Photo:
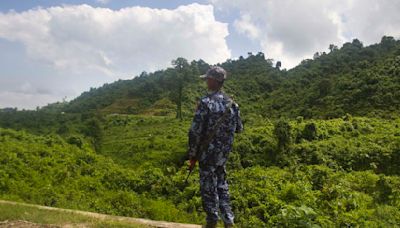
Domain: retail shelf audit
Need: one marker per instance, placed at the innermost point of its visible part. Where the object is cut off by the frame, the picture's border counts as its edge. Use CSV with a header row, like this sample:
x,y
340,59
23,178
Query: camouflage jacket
x,y
209,110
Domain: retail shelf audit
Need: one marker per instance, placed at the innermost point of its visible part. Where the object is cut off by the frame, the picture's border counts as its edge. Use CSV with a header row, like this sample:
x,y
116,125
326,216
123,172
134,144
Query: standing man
x,y
211,134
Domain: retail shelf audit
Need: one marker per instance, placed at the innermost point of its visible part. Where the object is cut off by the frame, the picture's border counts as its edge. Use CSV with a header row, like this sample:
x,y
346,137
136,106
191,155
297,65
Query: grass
x,y
34,214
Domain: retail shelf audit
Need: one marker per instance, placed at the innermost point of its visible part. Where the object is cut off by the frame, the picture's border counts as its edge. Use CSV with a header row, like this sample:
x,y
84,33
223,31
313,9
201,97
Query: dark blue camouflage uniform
x,y
213,184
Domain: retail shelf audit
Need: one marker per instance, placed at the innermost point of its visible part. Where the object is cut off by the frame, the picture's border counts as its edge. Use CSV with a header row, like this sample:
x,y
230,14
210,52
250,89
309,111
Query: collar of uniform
x,y
211,93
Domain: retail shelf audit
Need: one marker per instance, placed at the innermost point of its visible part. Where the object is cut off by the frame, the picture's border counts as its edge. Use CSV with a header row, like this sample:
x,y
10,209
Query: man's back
x,y
216,120
209,112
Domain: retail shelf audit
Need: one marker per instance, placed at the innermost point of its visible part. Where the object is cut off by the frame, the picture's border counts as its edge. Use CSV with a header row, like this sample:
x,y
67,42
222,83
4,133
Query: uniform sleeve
x,y
197,129
239,124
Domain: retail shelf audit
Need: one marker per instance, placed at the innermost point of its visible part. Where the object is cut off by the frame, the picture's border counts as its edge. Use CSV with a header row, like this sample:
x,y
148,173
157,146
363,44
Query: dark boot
x,y
228,225
211,225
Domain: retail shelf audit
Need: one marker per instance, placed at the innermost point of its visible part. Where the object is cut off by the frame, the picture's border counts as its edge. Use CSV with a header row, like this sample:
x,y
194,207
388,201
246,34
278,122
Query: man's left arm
x,y
196,130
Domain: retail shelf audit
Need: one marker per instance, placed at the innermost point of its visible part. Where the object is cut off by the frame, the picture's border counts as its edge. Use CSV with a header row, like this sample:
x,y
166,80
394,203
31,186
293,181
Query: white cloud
x,y
124,41
291,30
81,39
369,20
245,26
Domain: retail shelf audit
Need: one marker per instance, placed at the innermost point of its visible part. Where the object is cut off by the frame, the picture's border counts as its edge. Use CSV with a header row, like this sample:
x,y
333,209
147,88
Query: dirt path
x,y
159,224
24,224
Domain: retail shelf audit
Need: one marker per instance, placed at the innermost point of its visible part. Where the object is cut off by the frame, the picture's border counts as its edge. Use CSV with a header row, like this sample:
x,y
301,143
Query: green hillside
x,y
353,79
49,171
321,144
344,172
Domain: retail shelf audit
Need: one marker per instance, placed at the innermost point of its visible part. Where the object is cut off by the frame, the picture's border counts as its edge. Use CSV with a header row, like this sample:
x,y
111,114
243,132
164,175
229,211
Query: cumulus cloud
x,y
245,26
123,41
81,39
369,20
291,30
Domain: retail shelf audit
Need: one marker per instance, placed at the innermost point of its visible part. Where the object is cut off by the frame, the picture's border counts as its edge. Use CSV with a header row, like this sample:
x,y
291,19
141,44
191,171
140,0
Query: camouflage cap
x,y
216,72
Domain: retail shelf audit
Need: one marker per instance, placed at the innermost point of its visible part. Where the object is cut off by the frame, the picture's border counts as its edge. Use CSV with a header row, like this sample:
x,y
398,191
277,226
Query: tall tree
x,y
333,47
182,75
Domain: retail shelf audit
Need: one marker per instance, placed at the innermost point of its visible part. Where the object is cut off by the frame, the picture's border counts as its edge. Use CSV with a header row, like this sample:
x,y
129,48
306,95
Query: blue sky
x,y
51,50
21,5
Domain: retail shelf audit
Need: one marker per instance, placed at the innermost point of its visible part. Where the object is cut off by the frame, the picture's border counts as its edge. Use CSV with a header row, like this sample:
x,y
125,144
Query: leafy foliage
x,y
321,145
362,81
345,175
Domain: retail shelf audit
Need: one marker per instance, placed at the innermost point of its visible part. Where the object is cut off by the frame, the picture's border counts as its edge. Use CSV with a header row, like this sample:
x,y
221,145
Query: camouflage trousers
x,y
215,193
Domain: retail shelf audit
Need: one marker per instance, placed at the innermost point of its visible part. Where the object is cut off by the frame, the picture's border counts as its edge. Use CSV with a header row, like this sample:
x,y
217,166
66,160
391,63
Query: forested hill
x,y
352,79
341,172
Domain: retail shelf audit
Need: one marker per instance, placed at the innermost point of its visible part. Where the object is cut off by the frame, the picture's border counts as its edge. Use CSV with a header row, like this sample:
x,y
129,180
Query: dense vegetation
x,y
338,172
321,145
353,79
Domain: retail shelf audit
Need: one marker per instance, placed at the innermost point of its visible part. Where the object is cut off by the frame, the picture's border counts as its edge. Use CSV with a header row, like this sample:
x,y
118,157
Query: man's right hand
x,y
192,163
